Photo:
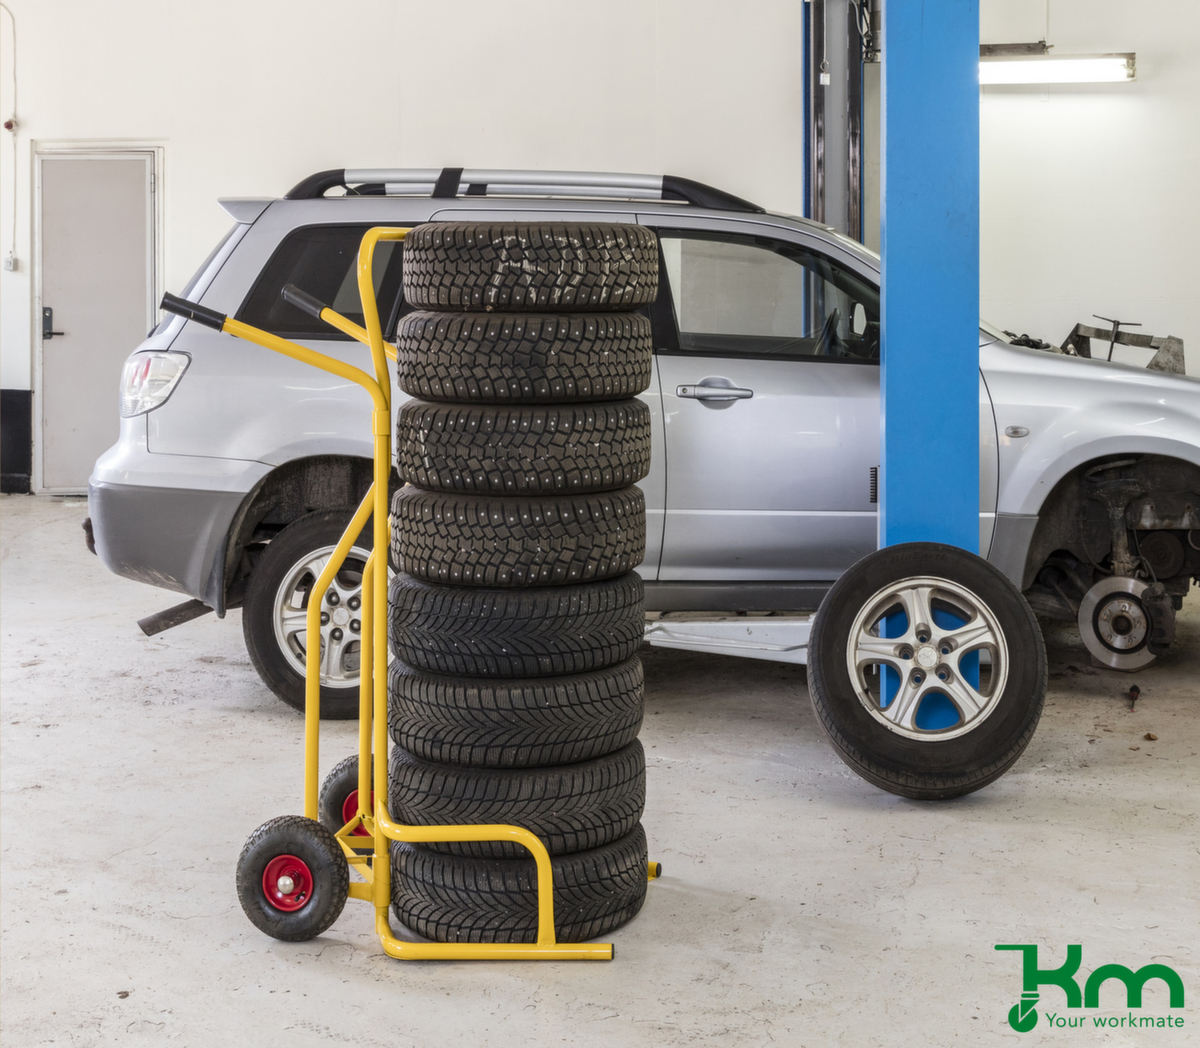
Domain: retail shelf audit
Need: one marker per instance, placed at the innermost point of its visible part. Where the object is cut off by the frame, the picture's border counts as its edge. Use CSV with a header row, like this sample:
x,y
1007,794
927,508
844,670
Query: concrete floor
x,y
799,905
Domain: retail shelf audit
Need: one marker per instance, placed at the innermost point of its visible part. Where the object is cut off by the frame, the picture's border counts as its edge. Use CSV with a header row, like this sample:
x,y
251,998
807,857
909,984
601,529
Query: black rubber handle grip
x,y
302,300
181,307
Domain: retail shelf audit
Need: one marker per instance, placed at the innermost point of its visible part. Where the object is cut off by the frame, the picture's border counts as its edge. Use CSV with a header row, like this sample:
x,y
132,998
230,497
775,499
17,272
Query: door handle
x,y
48,331
713,392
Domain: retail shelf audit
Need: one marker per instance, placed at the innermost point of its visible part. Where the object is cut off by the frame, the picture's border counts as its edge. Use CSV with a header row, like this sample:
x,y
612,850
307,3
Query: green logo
x,y
1023,1017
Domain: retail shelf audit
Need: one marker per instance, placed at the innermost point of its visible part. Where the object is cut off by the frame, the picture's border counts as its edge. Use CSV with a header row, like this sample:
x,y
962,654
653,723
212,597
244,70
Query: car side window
x,y
736,295
323,260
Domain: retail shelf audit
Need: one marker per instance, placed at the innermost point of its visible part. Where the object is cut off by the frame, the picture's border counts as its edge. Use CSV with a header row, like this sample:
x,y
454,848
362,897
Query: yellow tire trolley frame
x,y
375,868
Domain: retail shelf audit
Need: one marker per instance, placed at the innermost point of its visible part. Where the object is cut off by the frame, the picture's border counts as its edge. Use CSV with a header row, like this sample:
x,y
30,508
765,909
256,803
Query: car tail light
x,y
148,379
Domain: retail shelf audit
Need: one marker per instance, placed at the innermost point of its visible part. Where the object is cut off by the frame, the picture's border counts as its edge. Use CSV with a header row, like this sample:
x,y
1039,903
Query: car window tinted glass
x,y
752,296
322,260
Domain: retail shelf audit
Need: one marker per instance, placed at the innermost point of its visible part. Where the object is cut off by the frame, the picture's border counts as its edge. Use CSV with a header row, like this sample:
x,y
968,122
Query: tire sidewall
x,y
858,735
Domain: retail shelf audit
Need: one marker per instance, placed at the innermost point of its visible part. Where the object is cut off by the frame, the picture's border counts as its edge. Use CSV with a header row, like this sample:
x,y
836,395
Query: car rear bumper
x,y
165,519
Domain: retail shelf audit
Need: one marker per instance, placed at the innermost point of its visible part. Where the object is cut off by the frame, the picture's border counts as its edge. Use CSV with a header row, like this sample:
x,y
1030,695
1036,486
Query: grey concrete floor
x,y
799,906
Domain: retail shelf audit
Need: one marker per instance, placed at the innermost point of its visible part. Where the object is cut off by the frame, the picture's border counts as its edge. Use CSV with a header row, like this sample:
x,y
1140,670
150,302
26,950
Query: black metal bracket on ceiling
x,y
454,182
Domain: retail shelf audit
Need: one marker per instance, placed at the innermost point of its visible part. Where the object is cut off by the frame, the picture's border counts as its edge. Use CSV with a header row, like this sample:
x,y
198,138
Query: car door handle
x,y
713,392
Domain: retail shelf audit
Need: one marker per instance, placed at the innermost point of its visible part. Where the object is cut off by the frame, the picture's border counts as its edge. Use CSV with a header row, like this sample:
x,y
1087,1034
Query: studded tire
x,y
568,267
524,450
454,898
524,358
538,632
469,540
514,723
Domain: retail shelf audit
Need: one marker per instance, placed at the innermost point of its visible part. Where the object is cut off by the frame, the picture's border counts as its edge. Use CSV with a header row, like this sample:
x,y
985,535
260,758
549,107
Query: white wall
x,y
1088,198
1085,199
249,97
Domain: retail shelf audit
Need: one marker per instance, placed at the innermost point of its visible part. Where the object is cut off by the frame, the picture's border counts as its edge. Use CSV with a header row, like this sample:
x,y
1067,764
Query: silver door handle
x,y
713,392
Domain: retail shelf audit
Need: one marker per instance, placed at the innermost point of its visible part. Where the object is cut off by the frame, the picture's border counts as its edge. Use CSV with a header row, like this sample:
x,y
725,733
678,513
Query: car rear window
x,y
323,260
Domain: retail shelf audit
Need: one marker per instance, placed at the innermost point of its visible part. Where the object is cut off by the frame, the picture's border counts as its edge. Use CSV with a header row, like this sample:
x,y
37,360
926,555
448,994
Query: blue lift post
x,y
930,245
929,212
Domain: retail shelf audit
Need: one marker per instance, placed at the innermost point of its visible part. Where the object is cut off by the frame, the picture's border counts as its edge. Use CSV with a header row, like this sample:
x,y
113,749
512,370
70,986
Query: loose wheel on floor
x,y
274,614
292,878
578,267
541,632
570,807
338,799
524,358
540,449
927,670
514,723
454,898
476,540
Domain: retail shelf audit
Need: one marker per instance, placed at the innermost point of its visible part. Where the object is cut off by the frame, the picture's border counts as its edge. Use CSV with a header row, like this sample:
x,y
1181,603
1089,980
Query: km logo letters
x,y
1023,1016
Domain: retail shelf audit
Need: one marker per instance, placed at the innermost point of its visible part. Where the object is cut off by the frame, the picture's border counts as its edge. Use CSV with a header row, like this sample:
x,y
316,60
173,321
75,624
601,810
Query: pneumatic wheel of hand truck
x,y
292,878
927,670
274,614
338,800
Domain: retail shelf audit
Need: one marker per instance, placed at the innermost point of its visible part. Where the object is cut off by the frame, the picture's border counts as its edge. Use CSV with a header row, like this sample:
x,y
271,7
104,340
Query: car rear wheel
x,y
274,614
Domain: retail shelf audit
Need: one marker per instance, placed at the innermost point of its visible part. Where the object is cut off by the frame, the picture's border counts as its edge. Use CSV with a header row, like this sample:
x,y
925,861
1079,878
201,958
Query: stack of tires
x,y
515,615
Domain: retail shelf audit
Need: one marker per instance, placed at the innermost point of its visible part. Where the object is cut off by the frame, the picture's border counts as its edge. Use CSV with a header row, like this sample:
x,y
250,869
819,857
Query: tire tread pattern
x,y
451,898
539,266
569,807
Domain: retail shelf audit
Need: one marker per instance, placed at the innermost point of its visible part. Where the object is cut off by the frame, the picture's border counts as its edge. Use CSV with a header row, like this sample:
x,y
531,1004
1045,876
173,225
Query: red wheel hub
x,y
287,883
350,810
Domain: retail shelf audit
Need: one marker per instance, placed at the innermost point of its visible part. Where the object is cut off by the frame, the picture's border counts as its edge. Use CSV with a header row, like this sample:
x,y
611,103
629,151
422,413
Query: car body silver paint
x,y
242,410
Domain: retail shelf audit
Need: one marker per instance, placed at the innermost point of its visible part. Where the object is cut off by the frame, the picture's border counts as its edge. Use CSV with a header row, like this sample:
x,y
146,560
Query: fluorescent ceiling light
x,y
1058,69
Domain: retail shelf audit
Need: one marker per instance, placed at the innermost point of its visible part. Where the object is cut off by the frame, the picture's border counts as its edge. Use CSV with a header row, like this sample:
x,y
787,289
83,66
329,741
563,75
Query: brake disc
x,y
1115,625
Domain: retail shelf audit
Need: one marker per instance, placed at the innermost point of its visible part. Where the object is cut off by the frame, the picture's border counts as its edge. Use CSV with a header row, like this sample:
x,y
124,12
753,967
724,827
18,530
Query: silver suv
x,y
235,468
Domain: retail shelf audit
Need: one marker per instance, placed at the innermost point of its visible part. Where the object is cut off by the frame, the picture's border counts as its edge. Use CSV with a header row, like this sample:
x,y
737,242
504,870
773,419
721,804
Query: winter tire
x,y
292,878
540,266
527,450
519,723
467,540
917,714
453,898
524,358
274,612
569,807
542,632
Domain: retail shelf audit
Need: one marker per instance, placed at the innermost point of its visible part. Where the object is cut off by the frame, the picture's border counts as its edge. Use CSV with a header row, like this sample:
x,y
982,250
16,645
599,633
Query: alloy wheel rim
x,y
341,616
910,682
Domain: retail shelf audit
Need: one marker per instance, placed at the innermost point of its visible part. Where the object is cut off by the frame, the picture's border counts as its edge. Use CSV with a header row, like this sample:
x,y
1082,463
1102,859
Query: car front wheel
x,y
275,612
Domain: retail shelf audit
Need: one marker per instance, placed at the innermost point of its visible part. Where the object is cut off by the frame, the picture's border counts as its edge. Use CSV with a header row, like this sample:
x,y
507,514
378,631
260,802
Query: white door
x,y
96,301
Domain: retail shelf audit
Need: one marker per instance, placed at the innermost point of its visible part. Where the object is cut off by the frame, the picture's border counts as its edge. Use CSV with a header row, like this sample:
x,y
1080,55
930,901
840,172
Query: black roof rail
x,y
453,182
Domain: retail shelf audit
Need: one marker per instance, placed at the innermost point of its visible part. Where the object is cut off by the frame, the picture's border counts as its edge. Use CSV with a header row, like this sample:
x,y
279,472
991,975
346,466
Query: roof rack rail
x,y
453,182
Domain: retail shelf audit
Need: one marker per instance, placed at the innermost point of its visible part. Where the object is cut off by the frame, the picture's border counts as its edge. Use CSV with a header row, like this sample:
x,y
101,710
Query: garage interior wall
x,y
1085,203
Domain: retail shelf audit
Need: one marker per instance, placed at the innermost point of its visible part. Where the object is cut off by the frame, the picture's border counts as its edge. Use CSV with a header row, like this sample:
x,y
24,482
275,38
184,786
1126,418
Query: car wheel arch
x,y
288,492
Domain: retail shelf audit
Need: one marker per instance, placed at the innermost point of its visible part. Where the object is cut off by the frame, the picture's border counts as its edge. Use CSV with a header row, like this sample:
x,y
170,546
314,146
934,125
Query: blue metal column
x,y
930,246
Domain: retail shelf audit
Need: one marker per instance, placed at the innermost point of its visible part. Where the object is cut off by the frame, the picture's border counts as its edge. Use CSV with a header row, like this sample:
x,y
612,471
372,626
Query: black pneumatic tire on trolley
x,y
569,807
514,723
565,267
455,898
292,878
946,723
469,540
524,358
539,449
539,632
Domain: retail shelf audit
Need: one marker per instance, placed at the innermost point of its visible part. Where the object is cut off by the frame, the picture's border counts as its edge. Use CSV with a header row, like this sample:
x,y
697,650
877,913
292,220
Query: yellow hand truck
x,y
318,881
